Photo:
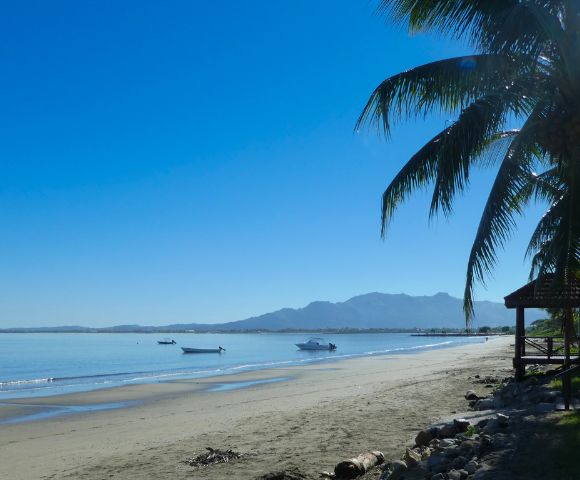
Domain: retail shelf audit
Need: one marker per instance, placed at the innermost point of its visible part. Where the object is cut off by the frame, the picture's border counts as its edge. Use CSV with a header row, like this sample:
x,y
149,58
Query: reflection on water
x,y
238,385
48,411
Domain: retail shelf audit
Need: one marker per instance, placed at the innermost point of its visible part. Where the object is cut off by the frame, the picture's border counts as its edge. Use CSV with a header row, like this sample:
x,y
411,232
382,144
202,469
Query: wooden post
x,y
567,379
519,341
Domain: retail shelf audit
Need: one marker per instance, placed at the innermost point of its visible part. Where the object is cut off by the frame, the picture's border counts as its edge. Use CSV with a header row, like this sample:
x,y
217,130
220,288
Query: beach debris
x,y
354,467
212,457
471,395
412,457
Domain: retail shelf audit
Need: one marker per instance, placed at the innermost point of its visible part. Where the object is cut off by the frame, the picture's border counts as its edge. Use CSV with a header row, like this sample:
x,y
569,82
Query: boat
x,y
166,341
203,350
316,343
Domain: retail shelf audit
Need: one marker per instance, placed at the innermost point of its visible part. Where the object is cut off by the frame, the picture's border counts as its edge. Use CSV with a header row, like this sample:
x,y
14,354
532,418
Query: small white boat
x,y
203,350
166,341
316,343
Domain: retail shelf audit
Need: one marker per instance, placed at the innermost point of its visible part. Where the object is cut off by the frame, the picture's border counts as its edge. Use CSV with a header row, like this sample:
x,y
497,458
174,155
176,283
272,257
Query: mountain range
x,y
369,311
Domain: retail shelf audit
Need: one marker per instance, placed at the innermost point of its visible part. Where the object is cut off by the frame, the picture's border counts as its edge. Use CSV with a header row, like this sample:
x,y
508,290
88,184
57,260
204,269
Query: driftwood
x,y
358,466
212,457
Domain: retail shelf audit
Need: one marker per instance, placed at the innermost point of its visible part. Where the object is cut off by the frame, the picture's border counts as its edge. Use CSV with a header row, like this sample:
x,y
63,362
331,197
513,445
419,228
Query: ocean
x,y
44,364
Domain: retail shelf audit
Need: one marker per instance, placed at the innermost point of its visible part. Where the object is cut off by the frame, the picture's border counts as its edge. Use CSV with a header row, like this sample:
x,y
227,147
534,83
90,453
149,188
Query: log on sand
x,y
354,467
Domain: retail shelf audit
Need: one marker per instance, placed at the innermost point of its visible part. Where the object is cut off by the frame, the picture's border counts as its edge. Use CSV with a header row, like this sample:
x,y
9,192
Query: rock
x,y
485,445
420,472
394,470
438,476
471,467
504,441
471,395
468,447
461,424
423,438
487,473
549,396
448,430
434,443
492,426
498,403
452,451
502,420
484,404
545,407
446,442
459,462
463,473
531,381
453,475
482,423
412,457
438,462
284,475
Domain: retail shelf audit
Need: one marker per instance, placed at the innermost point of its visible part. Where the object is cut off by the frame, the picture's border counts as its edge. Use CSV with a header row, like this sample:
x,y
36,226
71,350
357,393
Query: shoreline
x,y
320,414
59,386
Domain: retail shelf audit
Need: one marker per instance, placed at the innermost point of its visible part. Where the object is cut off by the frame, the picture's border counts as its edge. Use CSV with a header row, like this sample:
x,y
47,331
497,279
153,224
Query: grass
x,y
551,451
557,384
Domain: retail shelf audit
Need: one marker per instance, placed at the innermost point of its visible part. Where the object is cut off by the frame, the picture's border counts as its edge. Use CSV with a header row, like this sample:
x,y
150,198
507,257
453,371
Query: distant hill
x,y
383,310
369,311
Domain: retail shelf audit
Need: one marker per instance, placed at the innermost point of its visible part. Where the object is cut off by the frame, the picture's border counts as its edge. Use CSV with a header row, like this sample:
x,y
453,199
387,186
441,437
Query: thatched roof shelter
x,y
544,295
544,350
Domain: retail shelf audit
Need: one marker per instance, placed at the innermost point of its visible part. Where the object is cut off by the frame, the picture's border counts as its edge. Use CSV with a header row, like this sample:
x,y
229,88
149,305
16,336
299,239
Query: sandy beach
x,y
303,418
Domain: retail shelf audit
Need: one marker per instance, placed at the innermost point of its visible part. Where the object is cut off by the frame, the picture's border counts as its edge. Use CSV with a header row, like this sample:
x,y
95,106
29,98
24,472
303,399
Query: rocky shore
x,y
493,441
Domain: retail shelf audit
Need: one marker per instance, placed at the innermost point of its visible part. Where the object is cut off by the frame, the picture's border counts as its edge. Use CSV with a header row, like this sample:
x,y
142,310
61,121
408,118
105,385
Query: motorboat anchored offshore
x,y
316,343
203,350
166,341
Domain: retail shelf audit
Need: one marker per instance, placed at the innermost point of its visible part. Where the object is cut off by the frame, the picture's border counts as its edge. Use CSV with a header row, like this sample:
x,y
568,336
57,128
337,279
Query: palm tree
x,y
526,72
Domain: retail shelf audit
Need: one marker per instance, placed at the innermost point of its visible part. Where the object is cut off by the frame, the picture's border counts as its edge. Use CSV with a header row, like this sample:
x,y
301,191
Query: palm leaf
x,y
446,85
504,202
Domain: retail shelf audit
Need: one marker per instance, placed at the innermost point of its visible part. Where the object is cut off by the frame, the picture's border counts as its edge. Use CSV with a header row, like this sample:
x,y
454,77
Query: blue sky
x,y
168,162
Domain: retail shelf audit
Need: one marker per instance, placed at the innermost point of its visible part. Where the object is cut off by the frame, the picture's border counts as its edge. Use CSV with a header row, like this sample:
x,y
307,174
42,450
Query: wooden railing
x,y
544,346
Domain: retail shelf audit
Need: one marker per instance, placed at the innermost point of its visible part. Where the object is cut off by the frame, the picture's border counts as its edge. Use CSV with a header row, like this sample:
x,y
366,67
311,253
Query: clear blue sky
x,y
195,161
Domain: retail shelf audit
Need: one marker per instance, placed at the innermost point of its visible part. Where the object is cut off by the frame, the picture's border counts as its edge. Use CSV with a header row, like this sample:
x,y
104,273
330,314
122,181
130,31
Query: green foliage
x,y
470,431
545,328
557,384
553,326
484,329
525,71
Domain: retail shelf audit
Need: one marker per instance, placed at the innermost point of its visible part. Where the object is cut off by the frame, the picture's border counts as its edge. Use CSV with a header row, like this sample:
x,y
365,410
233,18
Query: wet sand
x,y
304,418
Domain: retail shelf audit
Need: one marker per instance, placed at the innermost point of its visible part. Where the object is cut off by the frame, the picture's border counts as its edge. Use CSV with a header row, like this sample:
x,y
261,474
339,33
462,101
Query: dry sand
x,y
318,416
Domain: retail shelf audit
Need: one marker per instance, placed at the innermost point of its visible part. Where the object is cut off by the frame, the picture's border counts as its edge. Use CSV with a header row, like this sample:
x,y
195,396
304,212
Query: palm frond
x,y
474,133
446,85
504,202
555,242
490,25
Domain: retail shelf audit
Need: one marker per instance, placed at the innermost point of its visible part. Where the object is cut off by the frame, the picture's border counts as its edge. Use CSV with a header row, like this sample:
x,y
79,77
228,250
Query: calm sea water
x,y
49,364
